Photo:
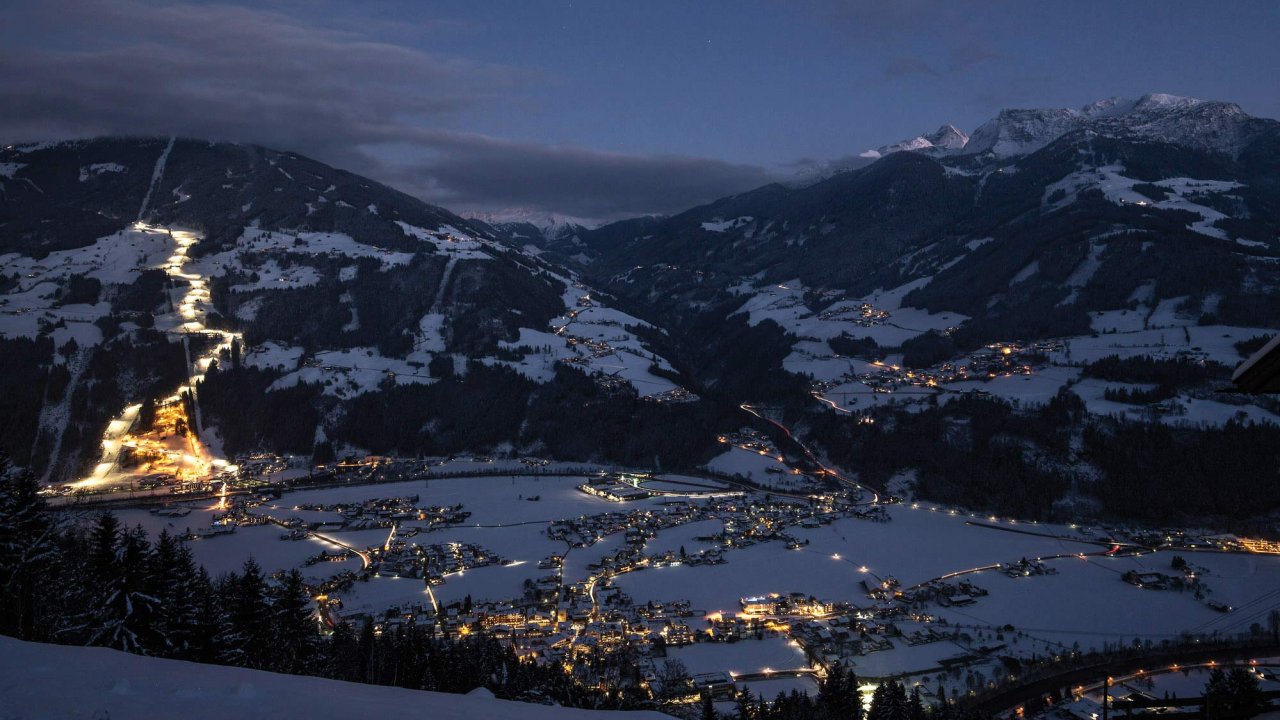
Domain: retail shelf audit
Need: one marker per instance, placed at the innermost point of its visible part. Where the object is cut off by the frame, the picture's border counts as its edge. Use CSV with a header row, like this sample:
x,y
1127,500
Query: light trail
x,y
184,456
811,456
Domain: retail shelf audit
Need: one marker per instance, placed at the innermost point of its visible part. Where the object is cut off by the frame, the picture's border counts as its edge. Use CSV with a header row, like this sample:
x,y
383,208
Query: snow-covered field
x,y
1117,188
784,304
256,242
116,259
594,338
742,657
48,682
1083,601
763,470
1157,330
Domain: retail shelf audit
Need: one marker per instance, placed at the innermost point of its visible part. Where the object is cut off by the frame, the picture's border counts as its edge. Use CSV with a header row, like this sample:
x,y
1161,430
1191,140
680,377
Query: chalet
x,y
718,685
1150,580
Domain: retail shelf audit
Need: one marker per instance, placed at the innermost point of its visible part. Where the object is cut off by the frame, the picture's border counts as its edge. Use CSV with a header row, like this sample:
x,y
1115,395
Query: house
x,y
718,685
1151,580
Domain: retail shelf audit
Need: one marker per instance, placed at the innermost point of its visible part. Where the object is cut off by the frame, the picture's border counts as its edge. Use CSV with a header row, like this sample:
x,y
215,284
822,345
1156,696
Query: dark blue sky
x,y
603,108
772,81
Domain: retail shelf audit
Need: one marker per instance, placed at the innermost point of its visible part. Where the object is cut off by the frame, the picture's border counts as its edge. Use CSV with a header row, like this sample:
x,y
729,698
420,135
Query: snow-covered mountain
x,y
549,226
945,140
1044,221
342,294
1206,125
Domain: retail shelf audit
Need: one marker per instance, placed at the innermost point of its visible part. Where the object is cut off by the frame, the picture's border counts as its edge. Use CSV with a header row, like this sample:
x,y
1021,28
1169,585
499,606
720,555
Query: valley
x,y
942,419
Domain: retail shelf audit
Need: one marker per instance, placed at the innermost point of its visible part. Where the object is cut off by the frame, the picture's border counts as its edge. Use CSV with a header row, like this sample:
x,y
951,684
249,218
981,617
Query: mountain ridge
x,y
1208,125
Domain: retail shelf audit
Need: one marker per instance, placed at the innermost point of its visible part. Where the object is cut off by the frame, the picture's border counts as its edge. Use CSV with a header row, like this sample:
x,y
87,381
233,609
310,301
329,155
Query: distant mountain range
x,y
536,230
1210,126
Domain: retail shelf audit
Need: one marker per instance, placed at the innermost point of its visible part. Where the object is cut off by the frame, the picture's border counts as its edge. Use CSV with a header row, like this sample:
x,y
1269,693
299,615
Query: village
x,y
585,583
991,362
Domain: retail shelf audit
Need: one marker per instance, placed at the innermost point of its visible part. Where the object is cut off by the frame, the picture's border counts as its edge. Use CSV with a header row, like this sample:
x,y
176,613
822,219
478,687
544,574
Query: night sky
x,y
602,109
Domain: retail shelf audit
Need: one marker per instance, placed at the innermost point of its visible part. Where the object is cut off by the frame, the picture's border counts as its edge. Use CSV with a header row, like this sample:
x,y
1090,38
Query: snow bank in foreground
x,y
53,681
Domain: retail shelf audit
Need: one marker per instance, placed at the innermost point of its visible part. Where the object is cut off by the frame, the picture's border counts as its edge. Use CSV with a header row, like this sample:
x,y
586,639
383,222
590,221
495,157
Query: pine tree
x,y
1233,694
342,656
915,705
125,617
104,541
26,549
889,702
228,639
249,619
293,627
878,709
838,696
745,711
210,619
173,579
708,708
367,647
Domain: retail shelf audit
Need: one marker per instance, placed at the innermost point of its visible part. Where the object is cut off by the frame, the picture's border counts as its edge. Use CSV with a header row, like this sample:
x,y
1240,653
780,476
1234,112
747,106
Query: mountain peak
x,y
1160,101
1211,126
945,140
1207,125
540,219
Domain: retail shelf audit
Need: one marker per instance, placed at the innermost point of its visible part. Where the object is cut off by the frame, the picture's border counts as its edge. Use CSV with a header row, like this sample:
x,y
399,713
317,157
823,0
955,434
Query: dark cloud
x,y
948,28
472,172
970,53
234,73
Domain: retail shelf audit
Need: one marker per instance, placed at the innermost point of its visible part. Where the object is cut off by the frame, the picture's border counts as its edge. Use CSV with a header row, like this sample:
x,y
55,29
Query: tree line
x,y
106,585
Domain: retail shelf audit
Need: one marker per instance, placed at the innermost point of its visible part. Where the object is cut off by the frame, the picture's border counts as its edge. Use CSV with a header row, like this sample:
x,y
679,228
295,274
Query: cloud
x,y
226,72
970,53
472,172
913,35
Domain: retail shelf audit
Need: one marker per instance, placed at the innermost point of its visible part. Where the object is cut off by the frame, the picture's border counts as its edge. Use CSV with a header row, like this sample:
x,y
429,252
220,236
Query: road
x,y
812,456
1006,699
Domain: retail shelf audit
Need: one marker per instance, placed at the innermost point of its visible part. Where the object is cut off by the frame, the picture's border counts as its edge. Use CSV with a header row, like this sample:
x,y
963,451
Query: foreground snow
x,y
54,681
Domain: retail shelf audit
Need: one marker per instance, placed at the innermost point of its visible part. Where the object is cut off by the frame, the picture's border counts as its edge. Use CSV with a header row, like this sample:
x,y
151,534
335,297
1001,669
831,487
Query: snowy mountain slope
x,y
1018,132
339,287
1062,233
58,682
57,200
905,219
